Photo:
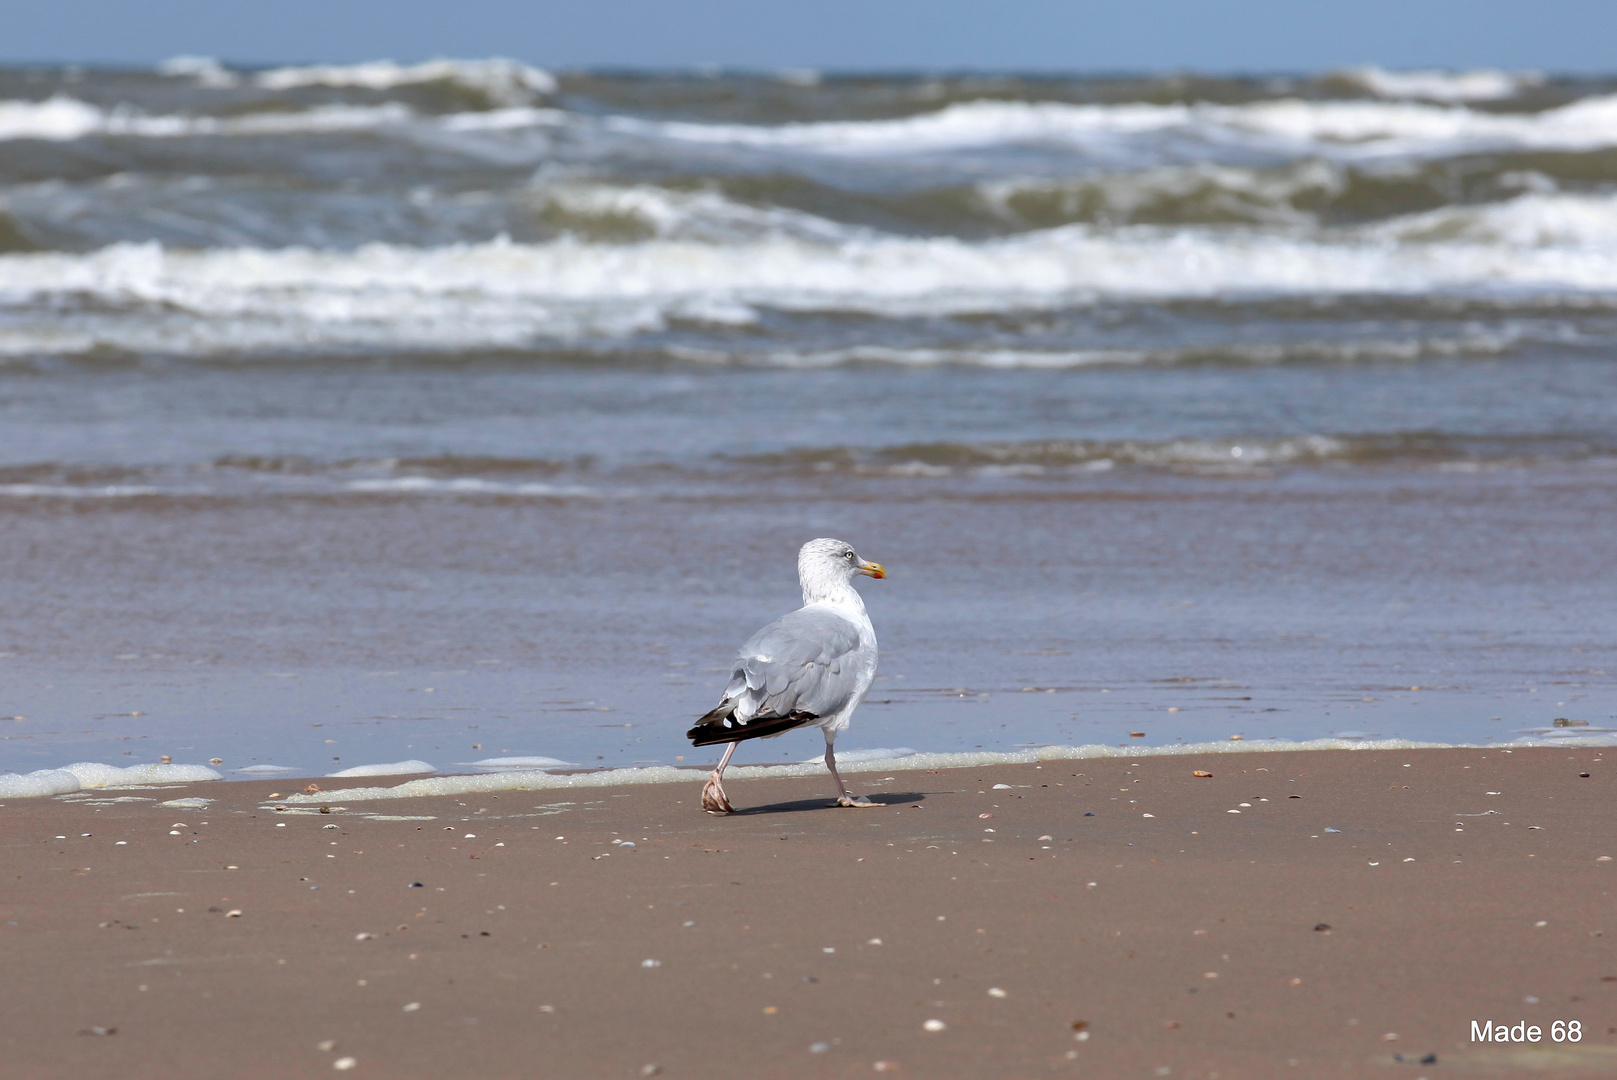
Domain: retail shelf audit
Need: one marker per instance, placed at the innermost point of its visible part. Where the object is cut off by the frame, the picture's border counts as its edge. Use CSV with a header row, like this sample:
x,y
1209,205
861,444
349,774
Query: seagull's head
x,y
832,563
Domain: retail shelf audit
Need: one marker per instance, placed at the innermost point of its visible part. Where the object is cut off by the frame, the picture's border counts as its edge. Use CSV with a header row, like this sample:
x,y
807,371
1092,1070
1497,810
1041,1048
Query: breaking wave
x,y
145,299
505,82
1229,454
1131,133
63,119
1134,134
1480,85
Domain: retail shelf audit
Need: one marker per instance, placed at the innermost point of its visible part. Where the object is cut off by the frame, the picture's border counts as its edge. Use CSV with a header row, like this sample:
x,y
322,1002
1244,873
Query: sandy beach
x,y
384,422
1338,913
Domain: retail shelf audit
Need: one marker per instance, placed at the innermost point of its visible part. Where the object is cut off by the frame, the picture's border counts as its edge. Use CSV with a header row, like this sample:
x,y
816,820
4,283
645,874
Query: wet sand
x,y
1164,935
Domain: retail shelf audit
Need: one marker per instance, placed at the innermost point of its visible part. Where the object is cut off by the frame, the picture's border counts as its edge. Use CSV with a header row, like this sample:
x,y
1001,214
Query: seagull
x,y
812,667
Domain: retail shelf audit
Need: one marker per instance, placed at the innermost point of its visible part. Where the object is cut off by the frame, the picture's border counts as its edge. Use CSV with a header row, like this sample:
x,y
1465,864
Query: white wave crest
x,y
63,119
1484,84
687,215
206,70
1344,130
506,295
506,82
1130,135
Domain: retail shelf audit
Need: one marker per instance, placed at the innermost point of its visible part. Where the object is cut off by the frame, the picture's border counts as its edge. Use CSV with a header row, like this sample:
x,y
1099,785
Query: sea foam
x,y
518,764
849,762
396,768
37,784
92,774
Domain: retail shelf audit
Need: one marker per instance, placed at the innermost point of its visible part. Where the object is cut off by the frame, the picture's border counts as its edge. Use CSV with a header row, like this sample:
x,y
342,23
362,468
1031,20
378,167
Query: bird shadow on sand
x,y
825,802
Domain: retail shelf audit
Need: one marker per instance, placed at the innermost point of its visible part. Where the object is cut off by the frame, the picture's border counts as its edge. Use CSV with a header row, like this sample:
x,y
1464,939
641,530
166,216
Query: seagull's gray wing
x,y
804,662
799,668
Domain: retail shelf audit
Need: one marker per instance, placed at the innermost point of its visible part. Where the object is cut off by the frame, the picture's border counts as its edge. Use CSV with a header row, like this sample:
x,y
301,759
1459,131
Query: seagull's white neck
x,y
829,585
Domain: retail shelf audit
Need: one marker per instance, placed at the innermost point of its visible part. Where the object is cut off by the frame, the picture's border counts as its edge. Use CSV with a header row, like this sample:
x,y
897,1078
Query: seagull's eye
x,y
848,555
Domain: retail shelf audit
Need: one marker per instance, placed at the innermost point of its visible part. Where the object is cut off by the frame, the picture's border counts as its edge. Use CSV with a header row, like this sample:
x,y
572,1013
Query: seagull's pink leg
x,y
847,798
713,797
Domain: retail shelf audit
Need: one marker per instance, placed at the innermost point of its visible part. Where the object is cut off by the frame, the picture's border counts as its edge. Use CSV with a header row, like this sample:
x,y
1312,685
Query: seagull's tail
x,y
721,725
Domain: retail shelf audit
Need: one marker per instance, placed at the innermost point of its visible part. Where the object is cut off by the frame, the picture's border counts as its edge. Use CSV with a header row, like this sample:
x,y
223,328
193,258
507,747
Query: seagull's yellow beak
x,y
872,569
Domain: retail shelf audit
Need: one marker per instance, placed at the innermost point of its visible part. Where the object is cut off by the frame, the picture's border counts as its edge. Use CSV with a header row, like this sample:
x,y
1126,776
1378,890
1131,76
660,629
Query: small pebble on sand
x,y
994,991
934,1025
343,1064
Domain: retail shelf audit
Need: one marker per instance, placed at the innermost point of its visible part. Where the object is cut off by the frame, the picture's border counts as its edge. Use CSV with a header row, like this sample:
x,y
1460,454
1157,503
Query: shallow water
x,y
373,414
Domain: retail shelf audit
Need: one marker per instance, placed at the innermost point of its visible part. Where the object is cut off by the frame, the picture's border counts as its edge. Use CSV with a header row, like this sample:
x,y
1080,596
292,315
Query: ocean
x,y
464,412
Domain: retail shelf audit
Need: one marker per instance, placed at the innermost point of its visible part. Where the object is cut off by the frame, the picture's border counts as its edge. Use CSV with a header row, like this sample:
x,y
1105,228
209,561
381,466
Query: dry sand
x,y
1162,936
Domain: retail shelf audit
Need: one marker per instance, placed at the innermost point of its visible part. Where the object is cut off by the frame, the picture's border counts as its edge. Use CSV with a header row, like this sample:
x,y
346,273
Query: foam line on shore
x,y
393,768
668,774
93,774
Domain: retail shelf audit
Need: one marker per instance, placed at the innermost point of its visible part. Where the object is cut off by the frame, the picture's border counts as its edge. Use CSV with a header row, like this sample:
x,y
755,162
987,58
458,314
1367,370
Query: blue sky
x,y
1097,35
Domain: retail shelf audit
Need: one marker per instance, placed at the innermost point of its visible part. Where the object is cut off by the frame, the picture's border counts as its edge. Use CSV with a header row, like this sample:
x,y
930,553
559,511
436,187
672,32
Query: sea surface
x,y
466,411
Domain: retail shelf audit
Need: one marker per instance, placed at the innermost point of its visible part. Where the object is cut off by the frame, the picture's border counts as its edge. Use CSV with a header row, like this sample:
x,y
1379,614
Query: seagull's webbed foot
x,y
859,802
714,801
